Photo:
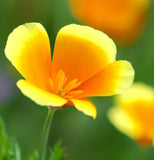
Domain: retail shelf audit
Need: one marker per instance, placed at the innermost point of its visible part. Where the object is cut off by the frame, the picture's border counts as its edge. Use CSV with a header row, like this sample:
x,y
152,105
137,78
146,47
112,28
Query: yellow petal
x,y
113,79
28,49
85,106
137,105
138,102
123,122
39,96
81,52
138,92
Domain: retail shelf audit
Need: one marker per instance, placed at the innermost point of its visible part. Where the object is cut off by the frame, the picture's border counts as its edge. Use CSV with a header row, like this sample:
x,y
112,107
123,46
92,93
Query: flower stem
x,y
45,134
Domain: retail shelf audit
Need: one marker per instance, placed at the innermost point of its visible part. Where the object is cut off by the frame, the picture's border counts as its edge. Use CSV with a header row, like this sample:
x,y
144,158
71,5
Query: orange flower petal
x,y
81,52
138,92
134,114
138,103
112,80
40,96
28,49
85,106
123,122
123,20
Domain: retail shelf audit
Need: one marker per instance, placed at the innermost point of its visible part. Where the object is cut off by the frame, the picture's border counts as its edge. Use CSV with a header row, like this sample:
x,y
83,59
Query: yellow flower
x,y
134,113
83,65
123,20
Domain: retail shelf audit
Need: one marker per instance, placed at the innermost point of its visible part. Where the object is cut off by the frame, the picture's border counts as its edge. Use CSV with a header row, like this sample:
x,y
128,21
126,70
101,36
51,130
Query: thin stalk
x,y
45,134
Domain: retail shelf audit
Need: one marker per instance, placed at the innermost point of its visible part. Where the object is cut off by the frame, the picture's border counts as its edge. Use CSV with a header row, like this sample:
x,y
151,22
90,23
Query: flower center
x,y
61,87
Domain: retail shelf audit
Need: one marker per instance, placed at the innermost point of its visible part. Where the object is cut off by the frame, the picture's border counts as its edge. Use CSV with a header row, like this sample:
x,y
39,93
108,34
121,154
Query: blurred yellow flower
x,y
123,20
134,113
83,65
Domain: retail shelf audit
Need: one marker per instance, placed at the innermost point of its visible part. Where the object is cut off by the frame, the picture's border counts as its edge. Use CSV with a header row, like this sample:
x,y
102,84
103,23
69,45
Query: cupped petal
x,y
40,96
85,106
113,79
81,52
28,49
138,102
137,105
125,124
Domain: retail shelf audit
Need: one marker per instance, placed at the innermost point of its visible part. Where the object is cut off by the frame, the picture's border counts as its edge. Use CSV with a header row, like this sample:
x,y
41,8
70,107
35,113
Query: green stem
x,y
45,134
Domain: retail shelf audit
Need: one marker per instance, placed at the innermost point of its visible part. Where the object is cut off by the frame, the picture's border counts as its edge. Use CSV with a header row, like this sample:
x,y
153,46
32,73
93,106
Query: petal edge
x,y
112,80
85,106
39,96
77,47
28,49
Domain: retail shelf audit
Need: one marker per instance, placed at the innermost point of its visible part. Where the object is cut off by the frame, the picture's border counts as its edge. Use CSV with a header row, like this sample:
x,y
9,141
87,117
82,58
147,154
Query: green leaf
x,y
8,149
34,156
58,152
4,146
14,151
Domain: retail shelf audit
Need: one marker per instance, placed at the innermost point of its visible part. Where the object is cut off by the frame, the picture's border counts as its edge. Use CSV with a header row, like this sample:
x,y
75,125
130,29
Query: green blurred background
x,y
83,137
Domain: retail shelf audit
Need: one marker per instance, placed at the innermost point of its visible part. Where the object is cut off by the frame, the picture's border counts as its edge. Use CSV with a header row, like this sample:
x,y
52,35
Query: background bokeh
x,y
83,137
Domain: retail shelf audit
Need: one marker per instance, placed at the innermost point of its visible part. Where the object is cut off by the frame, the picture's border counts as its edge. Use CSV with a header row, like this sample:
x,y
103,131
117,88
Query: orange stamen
x,y
63,89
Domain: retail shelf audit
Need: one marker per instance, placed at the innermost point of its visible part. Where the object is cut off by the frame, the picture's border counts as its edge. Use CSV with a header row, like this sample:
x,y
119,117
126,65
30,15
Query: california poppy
x,y
123,20
134,113
83,65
